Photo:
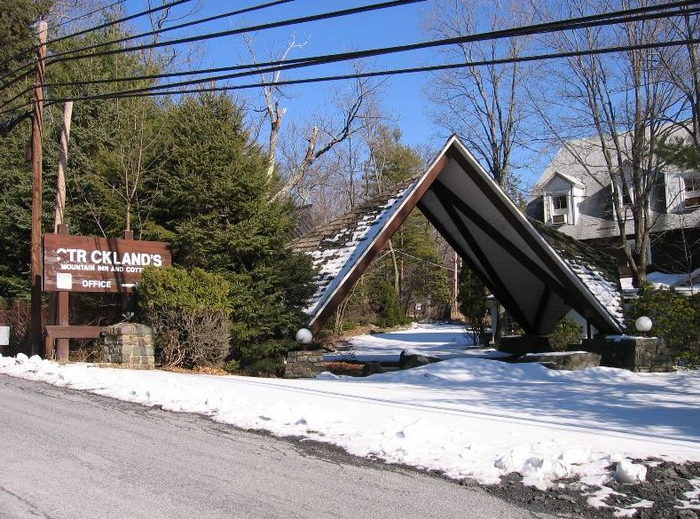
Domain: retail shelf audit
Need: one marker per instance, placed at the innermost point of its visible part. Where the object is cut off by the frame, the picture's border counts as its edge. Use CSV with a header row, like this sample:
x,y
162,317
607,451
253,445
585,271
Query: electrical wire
x,y
184,25
262,68
420,260
85,15
616,17
232,32
61,57
92,29
390,72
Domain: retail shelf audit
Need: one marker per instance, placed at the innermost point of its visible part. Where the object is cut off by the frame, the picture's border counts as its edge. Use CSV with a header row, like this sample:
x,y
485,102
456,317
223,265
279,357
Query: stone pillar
x,y
129,343
647,354
304,364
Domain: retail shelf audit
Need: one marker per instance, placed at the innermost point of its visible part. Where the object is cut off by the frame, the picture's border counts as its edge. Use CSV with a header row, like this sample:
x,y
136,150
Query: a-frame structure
x,y
537,274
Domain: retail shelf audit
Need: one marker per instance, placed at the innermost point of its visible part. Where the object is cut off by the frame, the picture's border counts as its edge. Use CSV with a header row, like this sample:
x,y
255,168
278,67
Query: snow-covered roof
x,y
538,277
685,283
583,161
337,246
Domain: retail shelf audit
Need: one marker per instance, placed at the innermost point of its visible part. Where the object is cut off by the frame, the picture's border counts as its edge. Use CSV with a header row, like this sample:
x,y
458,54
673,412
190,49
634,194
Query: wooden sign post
x,y
92,264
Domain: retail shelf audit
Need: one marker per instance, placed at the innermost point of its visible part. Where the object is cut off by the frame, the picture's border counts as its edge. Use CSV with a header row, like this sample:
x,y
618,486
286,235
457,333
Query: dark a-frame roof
x,y
537,275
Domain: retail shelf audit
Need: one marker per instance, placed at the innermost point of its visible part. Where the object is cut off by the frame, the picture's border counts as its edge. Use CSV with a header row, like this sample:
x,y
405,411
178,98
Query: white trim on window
x,y
691,191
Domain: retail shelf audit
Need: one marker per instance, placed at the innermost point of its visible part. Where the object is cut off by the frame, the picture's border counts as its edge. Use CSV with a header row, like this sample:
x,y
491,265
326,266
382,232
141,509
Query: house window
x,y
692,191
558,209
560,202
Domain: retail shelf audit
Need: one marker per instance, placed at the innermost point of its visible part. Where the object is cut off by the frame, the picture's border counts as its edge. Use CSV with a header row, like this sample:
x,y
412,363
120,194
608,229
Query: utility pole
x,y
37,165
455,286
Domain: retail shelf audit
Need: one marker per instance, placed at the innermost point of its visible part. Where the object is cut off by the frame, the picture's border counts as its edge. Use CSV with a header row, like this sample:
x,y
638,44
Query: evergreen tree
x,y
17,35
98,142
422,284
473,303
213,205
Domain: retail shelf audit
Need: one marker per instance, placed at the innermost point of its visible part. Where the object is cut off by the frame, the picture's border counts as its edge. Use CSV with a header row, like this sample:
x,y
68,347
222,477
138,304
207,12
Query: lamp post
x,y
643,324
304,336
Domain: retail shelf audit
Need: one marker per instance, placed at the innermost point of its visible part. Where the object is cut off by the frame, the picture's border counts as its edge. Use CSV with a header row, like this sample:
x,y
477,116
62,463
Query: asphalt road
x,y
69,454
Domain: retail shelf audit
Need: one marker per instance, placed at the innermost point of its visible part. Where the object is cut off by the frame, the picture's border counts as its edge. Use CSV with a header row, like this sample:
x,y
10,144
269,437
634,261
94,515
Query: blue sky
x,y
403,96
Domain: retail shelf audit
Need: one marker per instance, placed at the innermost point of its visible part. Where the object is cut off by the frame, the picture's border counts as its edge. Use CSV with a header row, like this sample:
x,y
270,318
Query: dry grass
x,y
354,369
199,370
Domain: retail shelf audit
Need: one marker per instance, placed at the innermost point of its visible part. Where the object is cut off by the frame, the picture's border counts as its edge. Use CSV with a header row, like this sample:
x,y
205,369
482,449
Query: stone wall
x,y
572,360
647,354
304,364
129,343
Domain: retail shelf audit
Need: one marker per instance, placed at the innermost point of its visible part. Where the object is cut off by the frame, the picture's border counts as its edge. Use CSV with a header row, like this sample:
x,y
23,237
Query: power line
x,y
118,21
60,57
274,66
420,260
92,29
172,28
270,25
390,72
624,16
75,19
85,15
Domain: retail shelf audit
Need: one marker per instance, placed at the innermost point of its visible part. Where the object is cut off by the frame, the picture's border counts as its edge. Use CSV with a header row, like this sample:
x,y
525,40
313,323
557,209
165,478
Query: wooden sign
x,y
92,264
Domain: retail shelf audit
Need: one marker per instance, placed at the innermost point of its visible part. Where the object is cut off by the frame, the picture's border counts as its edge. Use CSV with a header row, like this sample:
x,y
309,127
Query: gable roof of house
x,y
570,179
538,278
595,209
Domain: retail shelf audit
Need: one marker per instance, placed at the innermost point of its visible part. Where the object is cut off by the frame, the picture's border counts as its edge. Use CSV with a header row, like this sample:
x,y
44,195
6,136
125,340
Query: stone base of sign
x,y
304,364
129,343
645,354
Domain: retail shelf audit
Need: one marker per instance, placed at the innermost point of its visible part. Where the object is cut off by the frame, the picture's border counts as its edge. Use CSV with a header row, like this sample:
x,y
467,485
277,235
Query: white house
x,y
574,195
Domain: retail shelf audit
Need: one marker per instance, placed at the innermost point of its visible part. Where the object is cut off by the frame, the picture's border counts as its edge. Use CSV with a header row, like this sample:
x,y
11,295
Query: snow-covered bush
x,y
188,310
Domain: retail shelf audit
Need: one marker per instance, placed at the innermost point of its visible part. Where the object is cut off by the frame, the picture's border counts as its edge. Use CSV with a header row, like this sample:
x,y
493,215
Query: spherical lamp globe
x,y
304,336
643,324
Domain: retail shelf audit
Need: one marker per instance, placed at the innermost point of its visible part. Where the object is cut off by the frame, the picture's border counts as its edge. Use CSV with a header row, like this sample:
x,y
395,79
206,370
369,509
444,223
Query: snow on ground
x,y
468,417
688,283
444,341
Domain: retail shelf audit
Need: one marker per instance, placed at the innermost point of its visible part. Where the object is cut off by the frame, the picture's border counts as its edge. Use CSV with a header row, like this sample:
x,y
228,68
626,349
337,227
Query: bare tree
x,y
327,132
303,146
273,95
682,66
485,106
624,102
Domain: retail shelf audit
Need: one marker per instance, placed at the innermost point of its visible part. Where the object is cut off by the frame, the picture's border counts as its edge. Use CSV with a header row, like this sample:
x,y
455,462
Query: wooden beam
x,y
544,300
353,276
457,247
73,332
500,290
580,302
501,240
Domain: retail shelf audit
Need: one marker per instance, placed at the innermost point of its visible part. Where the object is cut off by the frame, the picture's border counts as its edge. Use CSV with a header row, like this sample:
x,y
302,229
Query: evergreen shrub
x,y
189,312
675,318
387,305
566,332
473,303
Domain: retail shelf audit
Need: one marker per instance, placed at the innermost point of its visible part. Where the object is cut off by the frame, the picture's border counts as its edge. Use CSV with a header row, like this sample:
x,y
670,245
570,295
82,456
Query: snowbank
x,y
466,417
